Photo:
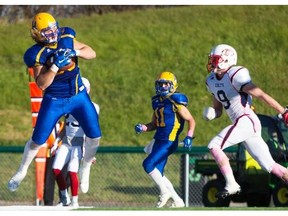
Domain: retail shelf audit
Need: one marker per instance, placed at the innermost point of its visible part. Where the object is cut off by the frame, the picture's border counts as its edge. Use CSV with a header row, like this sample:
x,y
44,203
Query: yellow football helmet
x,y
44,28
166,84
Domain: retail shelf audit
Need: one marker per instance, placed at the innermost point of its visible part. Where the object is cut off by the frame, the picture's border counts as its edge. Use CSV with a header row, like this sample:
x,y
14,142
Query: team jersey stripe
x,y
38,56
174,131
76,83
67,35
230,131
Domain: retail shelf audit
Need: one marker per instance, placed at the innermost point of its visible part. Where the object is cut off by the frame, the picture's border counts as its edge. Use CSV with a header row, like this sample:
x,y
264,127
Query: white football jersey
x,y
228,91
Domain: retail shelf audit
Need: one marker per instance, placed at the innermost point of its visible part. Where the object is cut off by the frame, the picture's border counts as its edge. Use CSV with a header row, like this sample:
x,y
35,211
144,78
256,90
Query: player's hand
x,y
138,128
187,142
62,58
72,53
209,113
285,116
94,160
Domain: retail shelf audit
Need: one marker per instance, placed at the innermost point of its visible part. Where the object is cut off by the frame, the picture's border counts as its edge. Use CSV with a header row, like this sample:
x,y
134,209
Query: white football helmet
x,y
221,58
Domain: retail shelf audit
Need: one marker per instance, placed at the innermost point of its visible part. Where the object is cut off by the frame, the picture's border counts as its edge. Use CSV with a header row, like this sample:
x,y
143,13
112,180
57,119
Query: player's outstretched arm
x,y
257,92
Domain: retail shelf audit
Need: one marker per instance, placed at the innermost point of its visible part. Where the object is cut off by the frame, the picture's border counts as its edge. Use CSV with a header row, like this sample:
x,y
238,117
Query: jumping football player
x,y
54,59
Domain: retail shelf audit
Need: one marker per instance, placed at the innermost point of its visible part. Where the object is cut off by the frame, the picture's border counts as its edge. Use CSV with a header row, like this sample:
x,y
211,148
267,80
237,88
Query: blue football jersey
x,y
169,123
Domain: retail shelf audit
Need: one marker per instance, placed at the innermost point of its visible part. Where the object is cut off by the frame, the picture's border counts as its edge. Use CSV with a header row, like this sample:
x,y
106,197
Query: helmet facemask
x,y
50,34
164,87
214,62
47,35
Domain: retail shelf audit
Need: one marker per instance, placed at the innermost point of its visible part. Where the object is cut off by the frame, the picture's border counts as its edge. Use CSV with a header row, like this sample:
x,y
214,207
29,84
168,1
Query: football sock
x,y
158,179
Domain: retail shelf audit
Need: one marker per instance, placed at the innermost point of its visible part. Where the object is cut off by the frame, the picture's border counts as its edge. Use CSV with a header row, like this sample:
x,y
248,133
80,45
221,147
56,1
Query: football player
x,y
54,59
168,119
232,90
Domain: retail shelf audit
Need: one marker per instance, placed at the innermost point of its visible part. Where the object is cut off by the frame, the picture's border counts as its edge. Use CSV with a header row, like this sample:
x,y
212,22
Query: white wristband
x,y
54,68
77,52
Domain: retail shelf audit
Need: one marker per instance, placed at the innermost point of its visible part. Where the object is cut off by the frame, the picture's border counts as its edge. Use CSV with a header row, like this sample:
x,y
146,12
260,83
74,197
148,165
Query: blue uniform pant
x,y
52,109
159,155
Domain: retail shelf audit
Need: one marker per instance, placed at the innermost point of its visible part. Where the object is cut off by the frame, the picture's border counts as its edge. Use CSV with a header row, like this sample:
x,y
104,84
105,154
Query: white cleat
x,y
163,198
228,191
84,178
75,204
64,201
16,180
177,204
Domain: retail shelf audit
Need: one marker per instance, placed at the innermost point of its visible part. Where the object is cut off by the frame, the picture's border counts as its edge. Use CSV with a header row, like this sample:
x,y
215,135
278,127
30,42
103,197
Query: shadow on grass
x,y
134,190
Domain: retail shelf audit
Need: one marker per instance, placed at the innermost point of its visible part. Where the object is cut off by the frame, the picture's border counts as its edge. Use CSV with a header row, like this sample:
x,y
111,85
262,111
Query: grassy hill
x,y
134,47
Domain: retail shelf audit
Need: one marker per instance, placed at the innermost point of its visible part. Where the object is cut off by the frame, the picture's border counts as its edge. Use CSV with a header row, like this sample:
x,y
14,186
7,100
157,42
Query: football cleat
x,y
228,192
75,204
163,198
177,204
64,201
16,180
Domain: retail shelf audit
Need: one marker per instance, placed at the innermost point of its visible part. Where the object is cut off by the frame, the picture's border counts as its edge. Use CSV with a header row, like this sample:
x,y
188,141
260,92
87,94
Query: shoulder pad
x,y
67,32
180,98
239,77
155,101
31,54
